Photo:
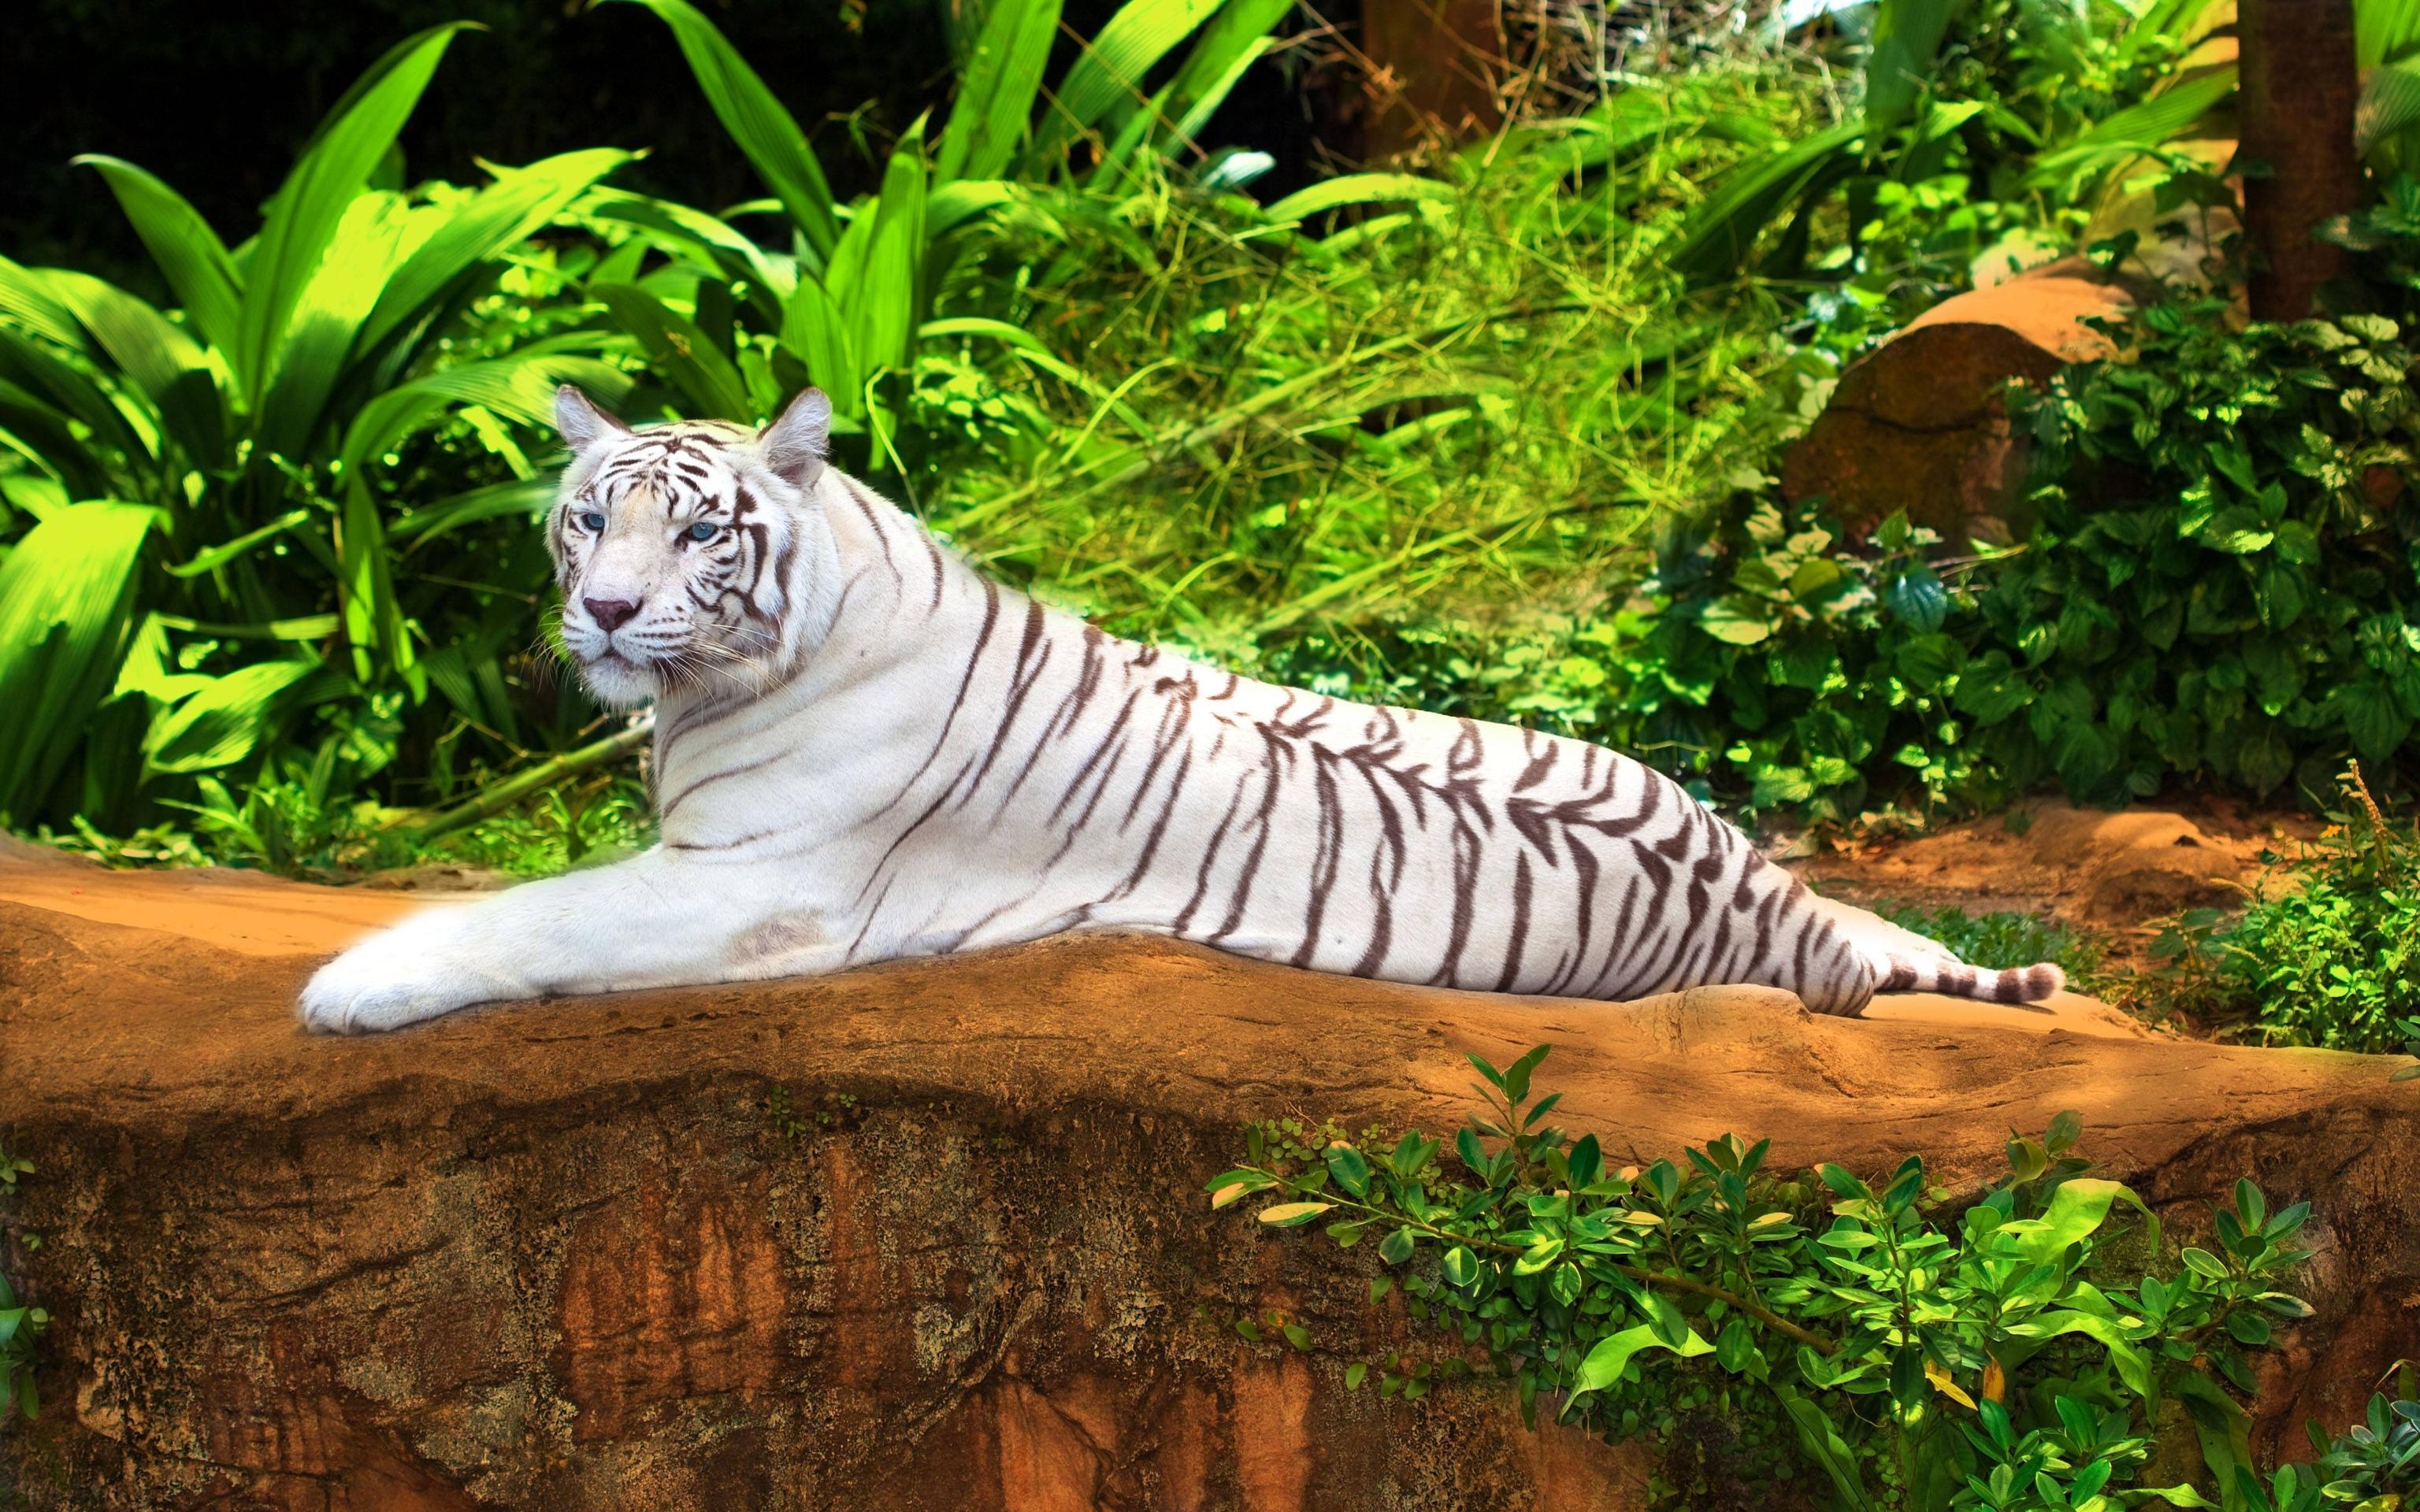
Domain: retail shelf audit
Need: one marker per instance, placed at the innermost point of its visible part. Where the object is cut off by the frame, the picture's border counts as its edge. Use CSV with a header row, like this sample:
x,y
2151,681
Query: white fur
x,y
881,755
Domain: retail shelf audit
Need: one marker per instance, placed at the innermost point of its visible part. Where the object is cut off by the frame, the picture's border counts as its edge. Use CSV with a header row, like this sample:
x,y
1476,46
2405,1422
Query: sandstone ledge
x,y
571,1256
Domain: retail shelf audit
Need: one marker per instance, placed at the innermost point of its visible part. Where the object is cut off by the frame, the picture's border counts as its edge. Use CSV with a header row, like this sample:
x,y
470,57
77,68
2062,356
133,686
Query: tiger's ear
x,y
795,444
580,421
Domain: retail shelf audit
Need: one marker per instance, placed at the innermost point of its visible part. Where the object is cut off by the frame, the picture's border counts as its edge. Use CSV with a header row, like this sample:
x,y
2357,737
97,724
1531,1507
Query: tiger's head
x,y
678,546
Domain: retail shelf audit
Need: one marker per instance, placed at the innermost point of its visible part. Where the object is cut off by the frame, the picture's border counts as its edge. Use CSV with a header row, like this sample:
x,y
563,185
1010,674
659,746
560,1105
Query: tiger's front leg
x,y
649,922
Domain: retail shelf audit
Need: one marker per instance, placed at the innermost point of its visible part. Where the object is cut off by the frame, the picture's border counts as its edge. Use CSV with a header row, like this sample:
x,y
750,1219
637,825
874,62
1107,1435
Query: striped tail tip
x,y
2021,984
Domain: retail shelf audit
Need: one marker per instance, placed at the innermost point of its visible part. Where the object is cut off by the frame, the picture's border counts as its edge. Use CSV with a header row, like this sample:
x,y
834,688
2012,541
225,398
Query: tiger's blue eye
x,y
594,520
703,531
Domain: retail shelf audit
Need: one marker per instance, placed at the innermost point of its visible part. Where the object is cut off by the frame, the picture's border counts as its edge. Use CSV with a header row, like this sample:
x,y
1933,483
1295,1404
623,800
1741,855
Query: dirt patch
x,y
2110,873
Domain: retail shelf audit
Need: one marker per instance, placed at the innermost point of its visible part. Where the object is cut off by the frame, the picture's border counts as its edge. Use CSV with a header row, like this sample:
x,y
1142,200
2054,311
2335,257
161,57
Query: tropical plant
x,y
736,328
1920,1353
210,546
2031,106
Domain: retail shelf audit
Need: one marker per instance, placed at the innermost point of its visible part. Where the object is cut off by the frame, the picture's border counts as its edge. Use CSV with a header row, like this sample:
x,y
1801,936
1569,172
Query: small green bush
x,y
2010,1351
2329,960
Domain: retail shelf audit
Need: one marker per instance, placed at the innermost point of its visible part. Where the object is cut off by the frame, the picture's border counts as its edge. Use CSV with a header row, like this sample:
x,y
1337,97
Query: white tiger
x,y
867,750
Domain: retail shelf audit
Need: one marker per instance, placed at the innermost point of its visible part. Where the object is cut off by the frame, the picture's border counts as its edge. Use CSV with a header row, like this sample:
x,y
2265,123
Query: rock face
x,y
928,1236
1921,424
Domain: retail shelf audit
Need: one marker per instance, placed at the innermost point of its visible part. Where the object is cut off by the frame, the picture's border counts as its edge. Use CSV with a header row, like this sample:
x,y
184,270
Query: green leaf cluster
x,y
2331,957
212,550
2016,1350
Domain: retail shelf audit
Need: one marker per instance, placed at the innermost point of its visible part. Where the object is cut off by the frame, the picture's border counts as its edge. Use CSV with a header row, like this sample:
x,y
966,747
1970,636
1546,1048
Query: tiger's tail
x,y
1896,973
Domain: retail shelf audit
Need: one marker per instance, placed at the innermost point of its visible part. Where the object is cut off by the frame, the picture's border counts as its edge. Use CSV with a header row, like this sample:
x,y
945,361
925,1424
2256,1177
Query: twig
x,y
498,796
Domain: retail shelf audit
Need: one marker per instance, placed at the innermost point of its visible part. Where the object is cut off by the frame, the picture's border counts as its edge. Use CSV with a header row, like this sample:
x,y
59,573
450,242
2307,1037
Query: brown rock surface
x,y
581,1254
1921,423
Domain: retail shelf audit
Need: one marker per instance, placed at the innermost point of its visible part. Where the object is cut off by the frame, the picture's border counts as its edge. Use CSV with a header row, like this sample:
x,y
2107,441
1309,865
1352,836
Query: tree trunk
x,y
2299,86
1435,64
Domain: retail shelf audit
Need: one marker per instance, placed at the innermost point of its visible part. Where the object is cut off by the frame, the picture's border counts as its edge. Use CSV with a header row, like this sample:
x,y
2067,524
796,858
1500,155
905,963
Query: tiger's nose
x,y
611,614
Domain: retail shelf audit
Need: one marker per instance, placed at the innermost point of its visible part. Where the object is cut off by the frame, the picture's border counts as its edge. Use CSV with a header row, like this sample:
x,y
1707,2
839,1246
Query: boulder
x,y
1921,425
929,1235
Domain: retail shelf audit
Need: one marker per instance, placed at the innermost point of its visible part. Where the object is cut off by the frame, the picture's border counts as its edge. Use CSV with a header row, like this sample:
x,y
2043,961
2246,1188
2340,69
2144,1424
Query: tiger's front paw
x,y
376,986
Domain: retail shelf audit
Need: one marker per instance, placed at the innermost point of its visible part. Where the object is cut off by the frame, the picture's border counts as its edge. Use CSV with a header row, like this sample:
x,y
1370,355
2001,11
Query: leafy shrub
x,y
2219,589
2332,958
1995,1355
2377,1461
213,547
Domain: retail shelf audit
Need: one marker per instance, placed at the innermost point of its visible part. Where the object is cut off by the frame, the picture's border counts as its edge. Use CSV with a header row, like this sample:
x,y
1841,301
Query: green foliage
x,y
2331,959
2378,1461
2002,940
2024,108
2210,593
237,566
851,309
2011,1352
22,1325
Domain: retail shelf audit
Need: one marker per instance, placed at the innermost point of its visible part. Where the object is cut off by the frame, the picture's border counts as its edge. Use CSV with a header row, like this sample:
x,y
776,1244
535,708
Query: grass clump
x,y
2002,941
1453,414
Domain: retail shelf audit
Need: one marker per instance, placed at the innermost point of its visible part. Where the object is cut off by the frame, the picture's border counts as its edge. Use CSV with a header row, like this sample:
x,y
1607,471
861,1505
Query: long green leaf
x,y
66,593
524,497
365,599
41,375
883,304
1823,1442
488,225
2076,1210
1236,37
219,556
1024,341
2384,31
763,129
223,723
189,254
1612,1355
371,241
1110,73
1356,189
2139,128
1002,74
520,388
2390,103
680,353
2133,1367
1718,236
161,359
30,302
817,329
683,232
960,200
1906,39
305,216
36,429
